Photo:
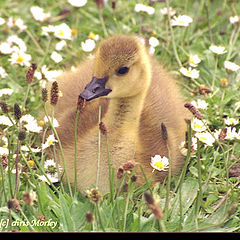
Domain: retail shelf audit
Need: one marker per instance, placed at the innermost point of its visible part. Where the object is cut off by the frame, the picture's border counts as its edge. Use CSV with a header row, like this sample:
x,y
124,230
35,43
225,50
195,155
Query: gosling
x,y
136,95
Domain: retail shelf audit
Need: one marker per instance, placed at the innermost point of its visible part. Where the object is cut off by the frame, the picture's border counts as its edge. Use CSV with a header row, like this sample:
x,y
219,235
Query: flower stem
x,y
75,152
99,147
60,147
172,36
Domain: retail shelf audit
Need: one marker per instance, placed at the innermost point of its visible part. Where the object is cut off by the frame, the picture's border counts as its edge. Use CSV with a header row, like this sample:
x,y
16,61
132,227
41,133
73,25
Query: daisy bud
x,y
224,82
164,132
54,93
89,217
193,110
17,111
103,128
13,204
30,72
44,95
5,108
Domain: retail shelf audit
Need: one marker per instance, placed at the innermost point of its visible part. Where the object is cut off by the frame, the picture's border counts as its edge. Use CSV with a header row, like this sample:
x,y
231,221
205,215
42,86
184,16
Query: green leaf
x,y
67,222
189,190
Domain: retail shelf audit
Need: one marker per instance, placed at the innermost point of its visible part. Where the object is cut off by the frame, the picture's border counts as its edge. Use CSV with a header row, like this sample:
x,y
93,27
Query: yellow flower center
x,y
197,126
31,163
19,59
60,33
158,164
74,31
41,123
50,142
203,138
4,146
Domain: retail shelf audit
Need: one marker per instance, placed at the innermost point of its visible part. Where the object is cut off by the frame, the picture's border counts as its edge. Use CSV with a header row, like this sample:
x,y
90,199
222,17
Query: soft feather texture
x,y
132,112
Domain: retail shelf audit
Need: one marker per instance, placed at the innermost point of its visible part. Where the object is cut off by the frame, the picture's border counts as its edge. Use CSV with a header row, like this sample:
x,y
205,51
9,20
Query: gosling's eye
x,y
122,71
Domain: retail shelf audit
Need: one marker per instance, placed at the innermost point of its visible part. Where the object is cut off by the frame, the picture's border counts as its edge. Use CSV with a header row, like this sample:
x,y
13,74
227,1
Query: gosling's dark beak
x,y
96,88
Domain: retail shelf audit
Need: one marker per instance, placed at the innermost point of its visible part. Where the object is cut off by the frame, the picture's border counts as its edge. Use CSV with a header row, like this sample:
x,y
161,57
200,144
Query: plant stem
x,y
75,153
99,147
26,96
102,22
99,217
168,183
199,198
16,164
172,37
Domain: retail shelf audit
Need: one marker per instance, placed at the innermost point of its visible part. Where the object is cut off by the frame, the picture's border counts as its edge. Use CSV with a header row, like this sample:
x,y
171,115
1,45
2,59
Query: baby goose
x,y
136,96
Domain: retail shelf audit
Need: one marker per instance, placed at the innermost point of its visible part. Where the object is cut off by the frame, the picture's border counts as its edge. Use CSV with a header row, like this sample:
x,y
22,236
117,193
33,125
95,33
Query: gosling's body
x,y
133,121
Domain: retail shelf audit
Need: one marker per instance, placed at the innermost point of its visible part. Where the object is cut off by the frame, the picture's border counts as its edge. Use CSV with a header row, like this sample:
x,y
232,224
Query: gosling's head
x,y
121,69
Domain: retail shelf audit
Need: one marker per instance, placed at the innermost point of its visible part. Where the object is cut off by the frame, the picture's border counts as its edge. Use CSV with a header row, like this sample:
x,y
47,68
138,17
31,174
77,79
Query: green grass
x,y
204,197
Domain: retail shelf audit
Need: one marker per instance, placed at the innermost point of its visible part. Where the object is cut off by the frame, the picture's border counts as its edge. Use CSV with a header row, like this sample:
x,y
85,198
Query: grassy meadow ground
x,y
204,197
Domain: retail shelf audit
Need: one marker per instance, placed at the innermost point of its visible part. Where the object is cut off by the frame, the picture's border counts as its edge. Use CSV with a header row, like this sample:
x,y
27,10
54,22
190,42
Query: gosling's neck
x,y
123,116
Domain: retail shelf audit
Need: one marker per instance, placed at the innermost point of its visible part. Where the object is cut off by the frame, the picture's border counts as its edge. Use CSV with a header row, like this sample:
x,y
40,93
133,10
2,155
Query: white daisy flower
x,y
52,178
50,141
78,3
231,133
159,163
3,74
20,58
231,121
219,50
47,29
60,45
14,39
50,75
4,150
2,21
30,123
54,121
181,20
143,8
88,45
20,24
153,42
39,14
5,121
194,60
198,125
164,11
234,19
205,137
63,31
5,48
56,57
231,66
183,148
200,104
190,73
